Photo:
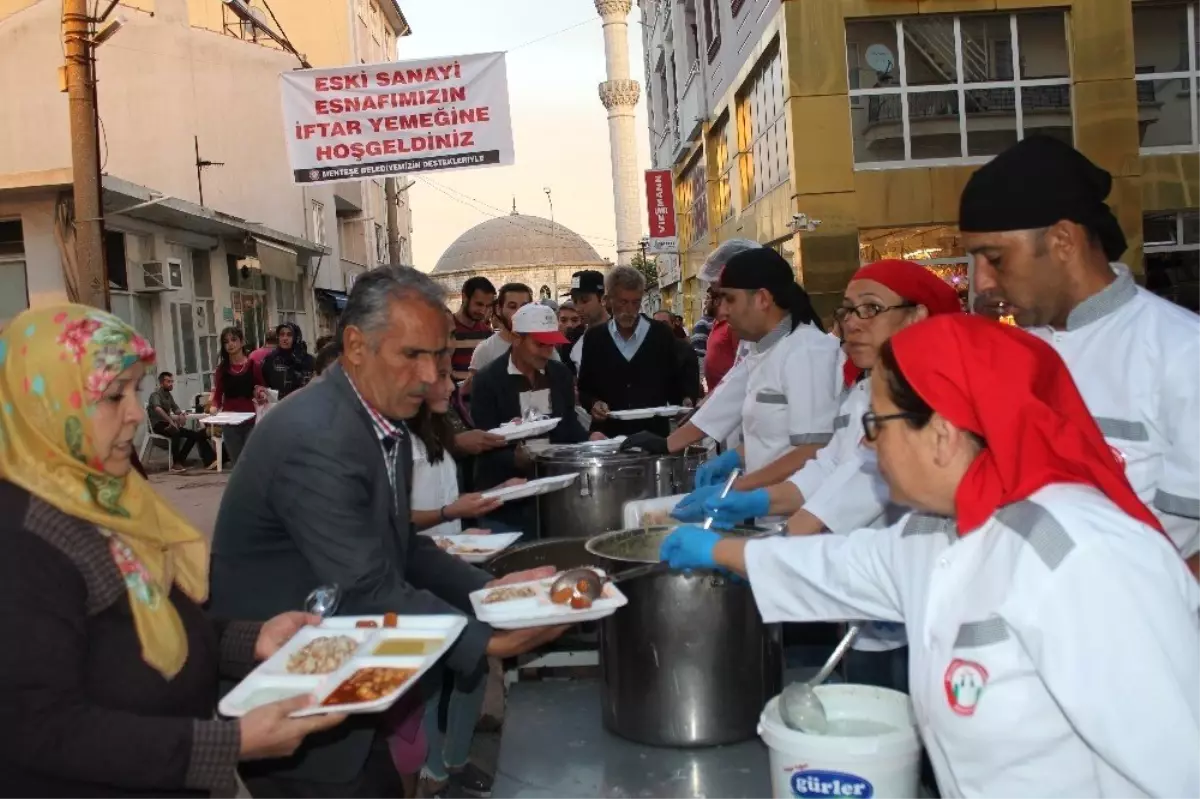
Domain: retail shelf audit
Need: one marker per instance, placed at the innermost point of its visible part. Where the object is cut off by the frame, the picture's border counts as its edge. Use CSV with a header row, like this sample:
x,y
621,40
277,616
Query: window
x,y
712,27
289,300
183,337
938,248
762,128
1165,49
952,89
719,143
405,256
136,311
692,200
1172,251
381,245
14,292
318,222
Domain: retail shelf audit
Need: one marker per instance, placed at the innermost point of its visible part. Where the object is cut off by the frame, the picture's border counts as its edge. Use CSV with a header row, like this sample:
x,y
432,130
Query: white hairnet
x,y
710,272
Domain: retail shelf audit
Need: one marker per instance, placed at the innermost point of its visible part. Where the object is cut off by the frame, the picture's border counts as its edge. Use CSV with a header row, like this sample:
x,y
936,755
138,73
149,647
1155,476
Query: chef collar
x,y
1109,300
777,334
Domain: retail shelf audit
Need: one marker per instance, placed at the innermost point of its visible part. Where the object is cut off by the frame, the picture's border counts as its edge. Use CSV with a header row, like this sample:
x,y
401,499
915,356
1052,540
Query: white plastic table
x,y
221,420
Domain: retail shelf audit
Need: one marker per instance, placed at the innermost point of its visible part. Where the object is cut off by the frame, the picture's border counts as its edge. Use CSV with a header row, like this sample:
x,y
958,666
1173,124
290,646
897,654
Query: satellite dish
x,y
880,58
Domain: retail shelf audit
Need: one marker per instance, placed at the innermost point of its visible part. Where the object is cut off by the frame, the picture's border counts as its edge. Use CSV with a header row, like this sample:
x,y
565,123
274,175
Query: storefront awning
x,y
336,299
276,260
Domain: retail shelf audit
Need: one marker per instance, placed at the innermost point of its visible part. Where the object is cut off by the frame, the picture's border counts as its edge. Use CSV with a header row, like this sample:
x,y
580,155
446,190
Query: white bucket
x,y
883,764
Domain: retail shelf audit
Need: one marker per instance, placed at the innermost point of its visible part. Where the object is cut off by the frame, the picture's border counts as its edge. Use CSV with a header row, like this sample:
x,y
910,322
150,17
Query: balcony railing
x,y
944,105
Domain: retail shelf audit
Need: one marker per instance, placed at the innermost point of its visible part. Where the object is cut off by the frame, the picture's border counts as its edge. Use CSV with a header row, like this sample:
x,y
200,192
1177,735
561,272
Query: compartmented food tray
x,y
476,548
532,488
349,664
647,413
650,512
520,430
521,605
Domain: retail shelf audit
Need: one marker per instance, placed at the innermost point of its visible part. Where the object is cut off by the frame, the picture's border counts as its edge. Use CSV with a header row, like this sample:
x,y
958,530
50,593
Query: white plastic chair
x,y
150,438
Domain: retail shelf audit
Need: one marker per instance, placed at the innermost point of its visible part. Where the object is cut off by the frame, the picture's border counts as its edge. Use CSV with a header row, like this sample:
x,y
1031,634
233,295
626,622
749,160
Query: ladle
x,y
799,704
590,583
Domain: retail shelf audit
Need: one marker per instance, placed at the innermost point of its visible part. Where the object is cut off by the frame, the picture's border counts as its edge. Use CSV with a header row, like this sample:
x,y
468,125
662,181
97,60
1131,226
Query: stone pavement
x,y
197,494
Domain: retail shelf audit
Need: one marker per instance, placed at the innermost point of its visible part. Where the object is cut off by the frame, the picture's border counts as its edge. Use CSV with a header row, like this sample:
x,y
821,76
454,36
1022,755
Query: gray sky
x,y
560,129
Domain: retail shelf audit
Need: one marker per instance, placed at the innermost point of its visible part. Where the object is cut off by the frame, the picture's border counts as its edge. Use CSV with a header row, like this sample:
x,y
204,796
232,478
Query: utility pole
x,y
392,200
85,154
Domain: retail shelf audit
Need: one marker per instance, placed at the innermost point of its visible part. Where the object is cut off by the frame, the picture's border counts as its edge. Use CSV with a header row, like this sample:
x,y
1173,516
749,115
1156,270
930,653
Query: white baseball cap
x,y
538,321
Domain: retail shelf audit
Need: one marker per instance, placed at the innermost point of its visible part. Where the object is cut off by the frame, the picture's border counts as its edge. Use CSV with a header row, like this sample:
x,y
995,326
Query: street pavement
x,y
197,494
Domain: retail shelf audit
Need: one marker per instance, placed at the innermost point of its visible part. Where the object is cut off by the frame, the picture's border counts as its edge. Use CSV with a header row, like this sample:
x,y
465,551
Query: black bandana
x,y
763,268
1037,183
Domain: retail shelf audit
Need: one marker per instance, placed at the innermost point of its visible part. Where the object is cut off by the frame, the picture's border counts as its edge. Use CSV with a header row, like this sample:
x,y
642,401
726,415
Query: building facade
x,y
518,248
204,227
869,116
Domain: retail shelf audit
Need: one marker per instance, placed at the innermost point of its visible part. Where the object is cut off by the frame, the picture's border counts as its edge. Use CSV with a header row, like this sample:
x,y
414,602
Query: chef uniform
x,y
789,394
1021,683
1133,354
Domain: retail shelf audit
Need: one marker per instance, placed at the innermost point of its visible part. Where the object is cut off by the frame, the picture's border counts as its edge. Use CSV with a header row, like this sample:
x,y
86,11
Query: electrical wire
x,y
555,33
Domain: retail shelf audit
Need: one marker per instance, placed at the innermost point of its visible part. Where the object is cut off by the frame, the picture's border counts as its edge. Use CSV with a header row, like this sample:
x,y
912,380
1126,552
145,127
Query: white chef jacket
x,y
1055,650
791,393
843,488
1134,357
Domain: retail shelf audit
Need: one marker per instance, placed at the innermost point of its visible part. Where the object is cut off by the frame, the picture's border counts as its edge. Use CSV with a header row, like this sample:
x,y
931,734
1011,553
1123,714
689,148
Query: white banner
x,y
667,266
376,120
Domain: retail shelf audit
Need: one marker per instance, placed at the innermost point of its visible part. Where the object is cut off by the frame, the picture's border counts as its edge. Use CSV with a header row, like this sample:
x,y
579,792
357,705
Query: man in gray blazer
x,y
320,496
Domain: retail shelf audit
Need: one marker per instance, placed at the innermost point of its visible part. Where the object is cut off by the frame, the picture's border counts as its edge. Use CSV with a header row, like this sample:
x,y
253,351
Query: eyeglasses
x,y
873,421
868,310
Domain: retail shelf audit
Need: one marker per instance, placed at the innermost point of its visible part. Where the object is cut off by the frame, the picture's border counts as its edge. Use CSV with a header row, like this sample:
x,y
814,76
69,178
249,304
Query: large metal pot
x,y
688,662
594,503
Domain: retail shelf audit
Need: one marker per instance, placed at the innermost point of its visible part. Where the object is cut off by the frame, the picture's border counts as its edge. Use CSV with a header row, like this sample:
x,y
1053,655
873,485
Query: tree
x,y
648,267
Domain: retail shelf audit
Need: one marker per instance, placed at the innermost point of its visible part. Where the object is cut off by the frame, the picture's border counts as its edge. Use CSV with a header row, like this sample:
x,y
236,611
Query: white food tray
x,y
227,417
532,488
538,610
659,508
520,430
582,448
271,681
476,548
647,413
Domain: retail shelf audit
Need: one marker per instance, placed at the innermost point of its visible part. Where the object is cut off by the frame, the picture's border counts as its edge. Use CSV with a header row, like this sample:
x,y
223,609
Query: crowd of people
x,y
999,502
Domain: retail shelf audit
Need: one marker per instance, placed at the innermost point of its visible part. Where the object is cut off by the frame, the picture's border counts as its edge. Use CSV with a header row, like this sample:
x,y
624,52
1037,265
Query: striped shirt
x,y
466,339
390,435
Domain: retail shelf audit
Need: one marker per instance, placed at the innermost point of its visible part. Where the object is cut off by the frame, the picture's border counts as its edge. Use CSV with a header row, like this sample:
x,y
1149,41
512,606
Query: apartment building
x,y
870,115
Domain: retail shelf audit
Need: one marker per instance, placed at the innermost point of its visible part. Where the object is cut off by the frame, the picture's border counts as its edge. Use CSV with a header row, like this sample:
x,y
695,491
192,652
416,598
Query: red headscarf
x,y
914,283
1012,389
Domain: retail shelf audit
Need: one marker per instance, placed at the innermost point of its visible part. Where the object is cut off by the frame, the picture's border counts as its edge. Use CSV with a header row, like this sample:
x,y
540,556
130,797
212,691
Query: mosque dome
x,y
517,240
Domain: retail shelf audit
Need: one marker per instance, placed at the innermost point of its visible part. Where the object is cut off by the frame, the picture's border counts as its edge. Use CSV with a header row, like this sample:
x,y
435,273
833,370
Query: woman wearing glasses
x,y
840,489
1027,548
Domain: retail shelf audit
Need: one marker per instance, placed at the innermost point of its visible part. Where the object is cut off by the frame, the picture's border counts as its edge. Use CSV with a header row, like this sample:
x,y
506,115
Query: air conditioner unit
x,y
158,276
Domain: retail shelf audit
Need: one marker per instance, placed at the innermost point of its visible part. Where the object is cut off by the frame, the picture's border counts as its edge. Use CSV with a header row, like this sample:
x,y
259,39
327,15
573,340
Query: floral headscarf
x,y
55,363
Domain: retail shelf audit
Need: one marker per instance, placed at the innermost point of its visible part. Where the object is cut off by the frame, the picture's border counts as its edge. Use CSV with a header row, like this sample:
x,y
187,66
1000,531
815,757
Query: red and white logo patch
x,y
1118,455
964,682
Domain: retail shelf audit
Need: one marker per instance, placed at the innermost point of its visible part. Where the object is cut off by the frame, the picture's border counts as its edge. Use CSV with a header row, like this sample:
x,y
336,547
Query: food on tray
x,y
444,543
390,620
508,593
322,655
368,684
395,647
580,602
366,623
654,518
562,595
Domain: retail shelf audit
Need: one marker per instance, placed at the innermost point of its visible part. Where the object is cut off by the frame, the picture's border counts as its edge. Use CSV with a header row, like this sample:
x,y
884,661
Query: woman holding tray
x,y
108,674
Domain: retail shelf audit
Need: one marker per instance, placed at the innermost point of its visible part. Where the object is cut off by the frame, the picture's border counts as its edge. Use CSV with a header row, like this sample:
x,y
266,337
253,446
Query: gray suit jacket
x,y
310,504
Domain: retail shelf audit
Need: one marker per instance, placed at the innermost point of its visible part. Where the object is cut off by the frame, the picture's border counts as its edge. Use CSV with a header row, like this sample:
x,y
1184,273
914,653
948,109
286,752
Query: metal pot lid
x,y
583,457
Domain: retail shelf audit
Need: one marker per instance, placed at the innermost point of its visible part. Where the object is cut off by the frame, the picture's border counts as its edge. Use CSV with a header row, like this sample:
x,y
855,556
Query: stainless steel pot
x,y
688,662
593,504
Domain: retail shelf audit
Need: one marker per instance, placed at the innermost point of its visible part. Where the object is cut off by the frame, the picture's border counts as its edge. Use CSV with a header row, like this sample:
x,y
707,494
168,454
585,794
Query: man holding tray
x,y
322,497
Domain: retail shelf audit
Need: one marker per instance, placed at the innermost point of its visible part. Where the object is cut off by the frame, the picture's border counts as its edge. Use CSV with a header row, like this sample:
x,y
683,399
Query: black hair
x,y
903,395
325,357
795,300
222,354
512,288
476,284
435,430
323,341
164,375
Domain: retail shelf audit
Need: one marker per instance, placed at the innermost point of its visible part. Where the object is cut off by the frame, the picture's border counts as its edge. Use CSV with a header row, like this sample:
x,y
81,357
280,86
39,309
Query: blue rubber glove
x,y
691,507
690,547
714,471
737,506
